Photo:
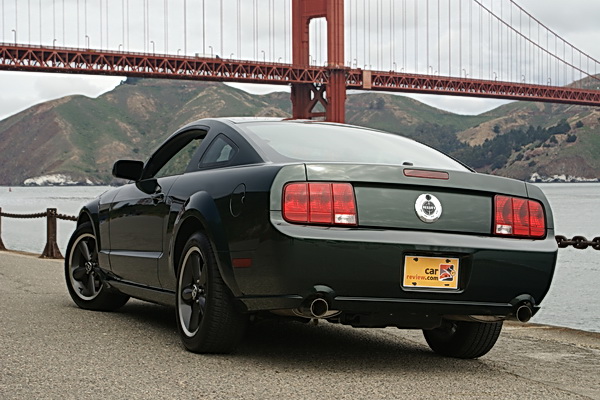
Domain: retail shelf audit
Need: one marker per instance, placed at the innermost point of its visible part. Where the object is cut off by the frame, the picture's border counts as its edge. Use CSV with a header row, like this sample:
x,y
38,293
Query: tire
x,y
83,275
462,339
207,320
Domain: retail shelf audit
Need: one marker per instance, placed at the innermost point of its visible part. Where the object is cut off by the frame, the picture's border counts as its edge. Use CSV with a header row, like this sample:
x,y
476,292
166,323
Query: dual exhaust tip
x,y
523,313
318,307
315,308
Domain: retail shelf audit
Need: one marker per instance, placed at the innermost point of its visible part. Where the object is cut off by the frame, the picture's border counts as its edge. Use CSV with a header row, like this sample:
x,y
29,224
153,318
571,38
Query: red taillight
x,y
344,204
515,216
319,203
320,210
295,202
537,219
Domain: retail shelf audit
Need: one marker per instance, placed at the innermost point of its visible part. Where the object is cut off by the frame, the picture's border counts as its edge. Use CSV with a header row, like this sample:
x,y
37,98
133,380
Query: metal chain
x,y
578,242
66,217
38,215
25,216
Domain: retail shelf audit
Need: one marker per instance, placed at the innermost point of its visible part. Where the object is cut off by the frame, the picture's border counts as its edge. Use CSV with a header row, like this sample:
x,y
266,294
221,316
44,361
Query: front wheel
x,y
462,339
83,274
206,317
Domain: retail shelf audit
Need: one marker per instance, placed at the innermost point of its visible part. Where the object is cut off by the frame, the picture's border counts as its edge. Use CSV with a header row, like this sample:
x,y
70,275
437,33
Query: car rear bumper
x,y
403,313
360,272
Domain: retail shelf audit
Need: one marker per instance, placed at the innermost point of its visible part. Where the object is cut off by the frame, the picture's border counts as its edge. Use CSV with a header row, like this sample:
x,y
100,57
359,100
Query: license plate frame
x,y
430,273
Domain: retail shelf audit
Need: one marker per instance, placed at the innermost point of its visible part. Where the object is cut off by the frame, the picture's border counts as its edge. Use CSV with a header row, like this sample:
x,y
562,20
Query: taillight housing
x,y
518,217
320,203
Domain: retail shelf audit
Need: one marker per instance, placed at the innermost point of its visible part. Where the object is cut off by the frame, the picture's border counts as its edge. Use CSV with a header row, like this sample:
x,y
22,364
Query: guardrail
x,y
51,249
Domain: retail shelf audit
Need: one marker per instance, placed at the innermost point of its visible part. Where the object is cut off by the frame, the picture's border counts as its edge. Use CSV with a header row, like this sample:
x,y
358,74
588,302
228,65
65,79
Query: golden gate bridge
x,y
321,48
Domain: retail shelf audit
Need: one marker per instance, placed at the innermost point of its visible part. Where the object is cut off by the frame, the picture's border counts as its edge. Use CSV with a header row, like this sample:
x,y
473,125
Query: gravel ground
x,y
50,349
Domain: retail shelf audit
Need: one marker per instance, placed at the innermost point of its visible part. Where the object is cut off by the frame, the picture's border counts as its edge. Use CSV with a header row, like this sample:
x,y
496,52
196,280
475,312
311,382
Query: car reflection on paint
x,y
236,220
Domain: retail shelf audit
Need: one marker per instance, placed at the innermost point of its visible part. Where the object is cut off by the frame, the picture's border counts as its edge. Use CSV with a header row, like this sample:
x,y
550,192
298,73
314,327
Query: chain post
x,y
2,247
51,250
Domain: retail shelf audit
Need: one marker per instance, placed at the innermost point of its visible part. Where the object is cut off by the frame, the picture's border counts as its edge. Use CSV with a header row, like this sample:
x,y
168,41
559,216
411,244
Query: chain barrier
x,y
578,242
38,215
51,249
66,217
24,216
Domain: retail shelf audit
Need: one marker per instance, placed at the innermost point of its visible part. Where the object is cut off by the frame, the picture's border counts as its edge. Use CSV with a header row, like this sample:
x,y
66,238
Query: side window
x,y
221,151
177,164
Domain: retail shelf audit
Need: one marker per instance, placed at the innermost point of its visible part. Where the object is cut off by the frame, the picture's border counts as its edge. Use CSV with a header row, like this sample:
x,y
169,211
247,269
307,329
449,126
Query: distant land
x,y
76,139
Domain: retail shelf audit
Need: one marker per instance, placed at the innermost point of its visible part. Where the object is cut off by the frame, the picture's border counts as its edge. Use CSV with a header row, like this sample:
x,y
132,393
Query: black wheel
x,y
462,339
83,275
206,317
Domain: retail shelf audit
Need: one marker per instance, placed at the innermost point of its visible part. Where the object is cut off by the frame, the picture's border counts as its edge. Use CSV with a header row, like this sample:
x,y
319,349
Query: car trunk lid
x,y
387,198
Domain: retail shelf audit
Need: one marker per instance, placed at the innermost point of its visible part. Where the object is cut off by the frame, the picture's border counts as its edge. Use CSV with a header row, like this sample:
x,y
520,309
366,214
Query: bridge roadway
x,y
49,349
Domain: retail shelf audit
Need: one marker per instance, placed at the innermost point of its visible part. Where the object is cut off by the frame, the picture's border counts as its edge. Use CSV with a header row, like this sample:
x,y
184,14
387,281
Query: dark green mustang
x,y
232,220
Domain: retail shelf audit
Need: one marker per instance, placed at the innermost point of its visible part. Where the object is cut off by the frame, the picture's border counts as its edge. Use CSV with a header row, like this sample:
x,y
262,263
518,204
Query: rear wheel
x,y
206,317
83,274
462,339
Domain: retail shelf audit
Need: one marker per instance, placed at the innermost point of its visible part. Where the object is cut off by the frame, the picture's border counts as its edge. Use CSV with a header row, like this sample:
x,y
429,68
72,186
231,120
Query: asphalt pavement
x,y
50,349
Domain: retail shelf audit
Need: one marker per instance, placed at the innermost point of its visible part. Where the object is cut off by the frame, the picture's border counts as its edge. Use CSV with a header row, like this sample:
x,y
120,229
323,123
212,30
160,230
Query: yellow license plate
x,y
430,272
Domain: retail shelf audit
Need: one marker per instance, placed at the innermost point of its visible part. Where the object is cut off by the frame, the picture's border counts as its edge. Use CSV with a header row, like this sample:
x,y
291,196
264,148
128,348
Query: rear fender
x,y
202,208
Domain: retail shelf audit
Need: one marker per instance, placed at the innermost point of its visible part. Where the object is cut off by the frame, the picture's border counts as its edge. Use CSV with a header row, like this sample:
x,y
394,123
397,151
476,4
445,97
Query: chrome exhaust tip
x,y
524,313
318,308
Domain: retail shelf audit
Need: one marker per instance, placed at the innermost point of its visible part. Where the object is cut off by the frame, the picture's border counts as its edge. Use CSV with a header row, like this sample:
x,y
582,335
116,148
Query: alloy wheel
x,y
191,299
83,268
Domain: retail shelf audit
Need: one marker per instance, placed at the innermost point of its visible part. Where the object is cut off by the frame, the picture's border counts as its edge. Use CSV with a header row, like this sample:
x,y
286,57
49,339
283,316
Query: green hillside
x,y
81,137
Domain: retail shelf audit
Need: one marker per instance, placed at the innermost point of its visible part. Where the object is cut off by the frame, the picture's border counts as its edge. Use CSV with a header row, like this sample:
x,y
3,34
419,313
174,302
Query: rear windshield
x,y
297,141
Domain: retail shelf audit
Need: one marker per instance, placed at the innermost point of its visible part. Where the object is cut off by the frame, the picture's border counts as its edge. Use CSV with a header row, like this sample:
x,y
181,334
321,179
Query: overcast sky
x,y
577,21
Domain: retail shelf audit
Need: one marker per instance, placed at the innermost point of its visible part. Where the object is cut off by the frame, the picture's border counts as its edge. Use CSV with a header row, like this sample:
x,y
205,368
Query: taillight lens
x,y
515,216
320,203
295,202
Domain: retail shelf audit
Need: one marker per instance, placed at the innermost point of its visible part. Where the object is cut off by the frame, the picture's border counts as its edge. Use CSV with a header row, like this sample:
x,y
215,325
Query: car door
x,y
138,212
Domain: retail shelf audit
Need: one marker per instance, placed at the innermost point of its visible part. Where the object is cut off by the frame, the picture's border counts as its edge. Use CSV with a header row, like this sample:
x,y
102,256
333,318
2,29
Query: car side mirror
x,y
128,169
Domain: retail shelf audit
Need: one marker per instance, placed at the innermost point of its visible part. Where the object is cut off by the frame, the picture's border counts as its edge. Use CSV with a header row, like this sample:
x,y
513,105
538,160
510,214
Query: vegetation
x,y
496,152
82,137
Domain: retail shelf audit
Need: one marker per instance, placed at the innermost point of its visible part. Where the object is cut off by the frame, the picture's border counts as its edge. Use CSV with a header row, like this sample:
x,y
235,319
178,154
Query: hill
x,y
76,139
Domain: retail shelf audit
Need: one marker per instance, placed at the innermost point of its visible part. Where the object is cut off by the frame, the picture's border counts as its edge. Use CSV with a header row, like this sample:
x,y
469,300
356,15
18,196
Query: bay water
x,y
573,300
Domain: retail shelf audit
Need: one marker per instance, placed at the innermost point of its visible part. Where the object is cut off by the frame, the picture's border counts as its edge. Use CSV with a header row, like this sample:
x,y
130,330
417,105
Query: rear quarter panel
x,y
208,197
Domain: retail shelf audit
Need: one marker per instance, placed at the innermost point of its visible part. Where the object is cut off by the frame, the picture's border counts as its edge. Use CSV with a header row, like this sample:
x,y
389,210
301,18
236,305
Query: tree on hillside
x,y
561,128
496,152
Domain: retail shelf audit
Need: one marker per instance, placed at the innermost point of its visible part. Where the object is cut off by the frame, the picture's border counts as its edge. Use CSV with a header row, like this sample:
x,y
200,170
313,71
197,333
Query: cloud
x,y
59,85
21,90
575,20
458,105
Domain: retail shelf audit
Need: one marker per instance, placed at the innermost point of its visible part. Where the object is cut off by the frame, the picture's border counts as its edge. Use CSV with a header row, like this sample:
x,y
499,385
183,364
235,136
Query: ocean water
x,y
573,300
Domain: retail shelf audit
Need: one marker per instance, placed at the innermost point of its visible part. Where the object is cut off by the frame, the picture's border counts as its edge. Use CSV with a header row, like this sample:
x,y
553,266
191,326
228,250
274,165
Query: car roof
x,y
249,120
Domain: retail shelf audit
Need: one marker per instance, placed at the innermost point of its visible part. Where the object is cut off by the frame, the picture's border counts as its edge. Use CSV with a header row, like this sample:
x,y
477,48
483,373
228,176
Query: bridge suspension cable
x,y
469,47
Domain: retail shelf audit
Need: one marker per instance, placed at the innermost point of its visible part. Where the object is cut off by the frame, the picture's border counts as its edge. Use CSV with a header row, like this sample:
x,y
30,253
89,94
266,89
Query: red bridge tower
x,y
305,96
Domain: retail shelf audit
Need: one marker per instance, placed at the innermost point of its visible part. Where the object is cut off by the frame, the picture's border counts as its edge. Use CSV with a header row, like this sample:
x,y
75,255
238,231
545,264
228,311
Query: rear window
x,y
319,142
